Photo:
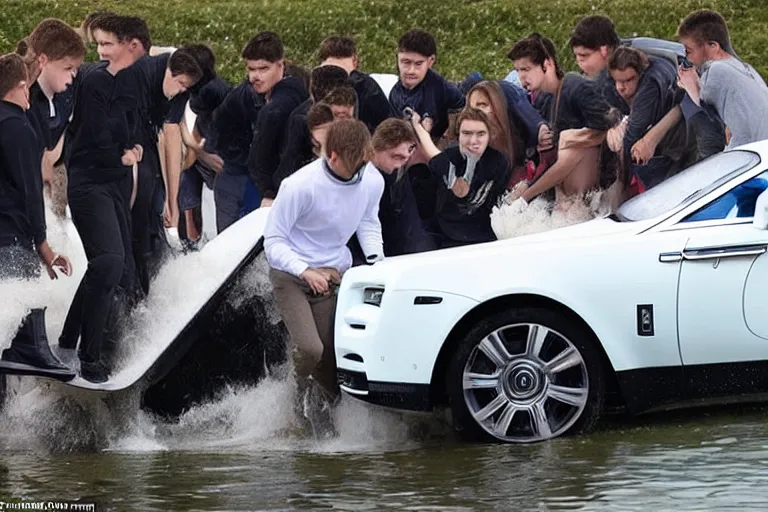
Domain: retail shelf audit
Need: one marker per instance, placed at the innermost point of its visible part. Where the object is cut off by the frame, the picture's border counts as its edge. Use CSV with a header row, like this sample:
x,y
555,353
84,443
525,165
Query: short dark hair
x,y
418,41
593,32
56,40
625,57
318,115
391,133
124,28
88,21
704,26
12,72
205,58
341,96
183,62
264,46
297,71
537,49
351,141
324,79
339,47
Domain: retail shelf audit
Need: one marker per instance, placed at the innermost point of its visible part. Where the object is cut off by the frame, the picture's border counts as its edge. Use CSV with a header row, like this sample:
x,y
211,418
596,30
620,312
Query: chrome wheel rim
x,y
525,383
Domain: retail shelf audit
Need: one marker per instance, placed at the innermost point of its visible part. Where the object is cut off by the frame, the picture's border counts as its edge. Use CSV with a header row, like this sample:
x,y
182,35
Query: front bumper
x,y
386,354
396,395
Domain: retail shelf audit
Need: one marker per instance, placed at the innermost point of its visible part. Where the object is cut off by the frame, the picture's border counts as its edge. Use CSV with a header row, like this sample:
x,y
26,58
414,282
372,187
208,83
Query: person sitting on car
x,y
472,179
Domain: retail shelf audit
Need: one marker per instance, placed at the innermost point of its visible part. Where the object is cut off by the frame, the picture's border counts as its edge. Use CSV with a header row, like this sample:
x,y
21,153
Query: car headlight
x,y
373,296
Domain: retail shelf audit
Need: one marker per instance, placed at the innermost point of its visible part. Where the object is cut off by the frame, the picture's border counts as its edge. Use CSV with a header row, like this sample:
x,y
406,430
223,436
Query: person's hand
x,y
615,137
460,188
642,151
129,157
213,161
265,202
688,79
427,123
139,150
546,138
516,192
170,215
62,263
518,205
415,117
317,280
331,274
728,135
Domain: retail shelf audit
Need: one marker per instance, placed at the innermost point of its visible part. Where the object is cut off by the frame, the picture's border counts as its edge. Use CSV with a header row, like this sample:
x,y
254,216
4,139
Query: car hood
x,y
404,272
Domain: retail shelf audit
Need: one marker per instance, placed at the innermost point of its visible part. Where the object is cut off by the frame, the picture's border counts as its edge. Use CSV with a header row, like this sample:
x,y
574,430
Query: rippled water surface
x,y
381,461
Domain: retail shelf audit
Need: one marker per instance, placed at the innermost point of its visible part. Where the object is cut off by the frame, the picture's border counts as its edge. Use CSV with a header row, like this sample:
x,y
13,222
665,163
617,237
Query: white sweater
x,y
315,214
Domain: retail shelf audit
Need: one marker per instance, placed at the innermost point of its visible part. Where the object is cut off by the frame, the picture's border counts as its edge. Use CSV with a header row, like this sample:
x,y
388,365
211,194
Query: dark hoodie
x,y
373,106
22,212
656,95
269,133
233,126
434,97
521,113
297,144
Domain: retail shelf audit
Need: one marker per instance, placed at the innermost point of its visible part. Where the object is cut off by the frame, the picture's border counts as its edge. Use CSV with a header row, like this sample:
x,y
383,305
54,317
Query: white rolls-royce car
x,y
660,305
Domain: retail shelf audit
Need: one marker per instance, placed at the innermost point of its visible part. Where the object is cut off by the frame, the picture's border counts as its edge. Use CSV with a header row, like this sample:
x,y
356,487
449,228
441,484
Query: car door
x,y
722,292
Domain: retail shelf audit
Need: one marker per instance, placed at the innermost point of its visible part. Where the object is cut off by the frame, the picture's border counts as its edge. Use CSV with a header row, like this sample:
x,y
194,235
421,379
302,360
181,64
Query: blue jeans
x,y
235,195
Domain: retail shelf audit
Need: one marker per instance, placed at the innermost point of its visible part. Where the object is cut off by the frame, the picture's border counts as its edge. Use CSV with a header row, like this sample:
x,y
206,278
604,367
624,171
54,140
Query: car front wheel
x,y
525,375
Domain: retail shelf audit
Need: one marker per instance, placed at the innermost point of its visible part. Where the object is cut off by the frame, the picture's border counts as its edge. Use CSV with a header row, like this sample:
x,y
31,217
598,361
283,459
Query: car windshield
x,y
686,187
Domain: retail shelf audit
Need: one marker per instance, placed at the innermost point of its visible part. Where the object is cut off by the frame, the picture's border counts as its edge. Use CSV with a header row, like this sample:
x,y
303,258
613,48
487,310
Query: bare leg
x,y
189,221
568,160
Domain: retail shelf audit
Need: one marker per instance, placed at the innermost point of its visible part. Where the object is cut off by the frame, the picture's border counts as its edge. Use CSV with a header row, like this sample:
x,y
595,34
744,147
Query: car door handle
x,y
670,257
709,253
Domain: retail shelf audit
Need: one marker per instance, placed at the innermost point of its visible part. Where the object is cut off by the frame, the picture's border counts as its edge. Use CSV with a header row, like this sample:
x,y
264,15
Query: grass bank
x,y
471,34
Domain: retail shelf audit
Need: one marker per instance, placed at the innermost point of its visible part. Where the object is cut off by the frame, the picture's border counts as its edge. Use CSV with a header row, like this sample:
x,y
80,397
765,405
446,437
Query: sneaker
x,y
95,373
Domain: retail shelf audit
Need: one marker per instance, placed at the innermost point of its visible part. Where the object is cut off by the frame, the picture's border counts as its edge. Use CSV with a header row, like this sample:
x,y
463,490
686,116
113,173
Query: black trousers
x,y
100,213
148,237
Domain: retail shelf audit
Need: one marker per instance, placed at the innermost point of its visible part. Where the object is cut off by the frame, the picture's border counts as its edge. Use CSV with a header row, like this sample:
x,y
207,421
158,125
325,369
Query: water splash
x,y
47,416
509,221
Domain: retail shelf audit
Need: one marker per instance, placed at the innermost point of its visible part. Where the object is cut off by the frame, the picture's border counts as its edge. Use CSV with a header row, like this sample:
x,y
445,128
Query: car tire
x,y
525,375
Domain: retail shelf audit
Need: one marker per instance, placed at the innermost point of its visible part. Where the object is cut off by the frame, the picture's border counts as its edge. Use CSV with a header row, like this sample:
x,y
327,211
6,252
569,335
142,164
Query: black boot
x,y
30,353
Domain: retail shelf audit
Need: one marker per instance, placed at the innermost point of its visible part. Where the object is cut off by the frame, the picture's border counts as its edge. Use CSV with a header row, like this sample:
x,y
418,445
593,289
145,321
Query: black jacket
x,y
269,133
373,107
51,127
580,106
144,80
104,125
233,124
434,97
468,219
297,146
22,210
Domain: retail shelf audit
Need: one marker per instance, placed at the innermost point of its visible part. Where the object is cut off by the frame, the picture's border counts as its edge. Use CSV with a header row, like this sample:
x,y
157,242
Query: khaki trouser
x,y
309,319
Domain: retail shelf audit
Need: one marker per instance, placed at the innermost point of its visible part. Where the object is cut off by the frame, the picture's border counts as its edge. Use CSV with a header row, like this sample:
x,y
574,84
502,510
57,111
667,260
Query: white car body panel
x,y
602,270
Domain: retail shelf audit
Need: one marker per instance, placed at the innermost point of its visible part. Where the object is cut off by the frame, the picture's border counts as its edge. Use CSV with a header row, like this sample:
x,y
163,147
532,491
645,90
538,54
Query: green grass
x,y
471,34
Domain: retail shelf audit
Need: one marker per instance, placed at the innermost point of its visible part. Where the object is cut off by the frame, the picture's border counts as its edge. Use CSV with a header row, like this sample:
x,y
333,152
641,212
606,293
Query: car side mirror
x,y
760,220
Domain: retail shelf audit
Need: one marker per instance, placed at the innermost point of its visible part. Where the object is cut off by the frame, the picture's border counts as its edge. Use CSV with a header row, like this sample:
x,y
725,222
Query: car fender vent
x,y
423,300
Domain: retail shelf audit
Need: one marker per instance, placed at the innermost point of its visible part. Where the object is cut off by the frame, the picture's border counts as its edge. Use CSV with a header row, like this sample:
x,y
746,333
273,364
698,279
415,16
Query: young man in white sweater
x,y
316,212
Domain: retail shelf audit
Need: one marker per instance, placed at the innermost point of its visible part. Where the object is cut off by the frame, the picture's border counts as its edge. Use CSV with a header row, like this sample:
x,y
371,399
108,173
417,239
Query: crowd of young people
x,y
351,175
